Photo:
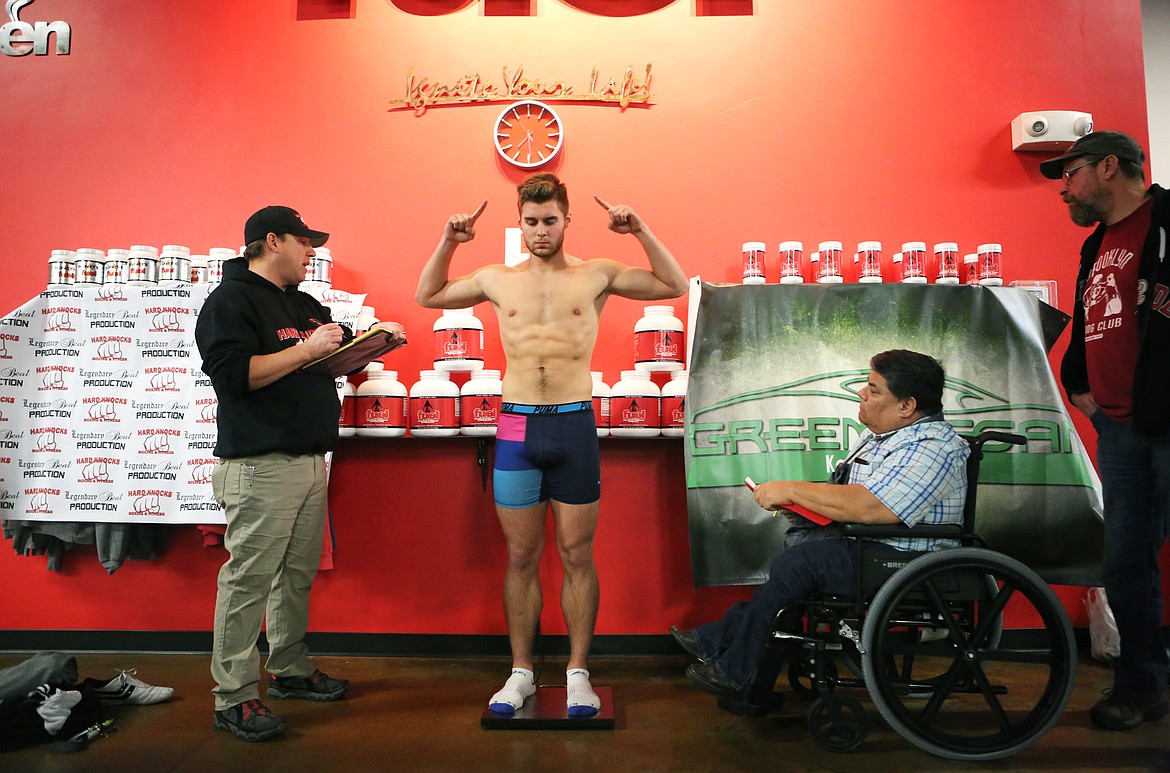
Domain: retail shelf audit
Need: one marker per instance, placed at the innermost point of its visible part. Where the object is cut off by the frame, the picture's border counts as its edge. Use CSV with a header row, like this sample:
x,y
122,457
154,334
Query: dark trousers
x,y
1135,479
734,644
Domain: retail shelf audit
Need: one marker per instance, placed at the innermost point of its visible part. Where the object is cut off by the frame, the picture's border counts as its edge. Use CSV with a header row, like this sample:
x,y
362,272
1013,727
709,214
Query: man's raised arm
x,y
435,289
665,279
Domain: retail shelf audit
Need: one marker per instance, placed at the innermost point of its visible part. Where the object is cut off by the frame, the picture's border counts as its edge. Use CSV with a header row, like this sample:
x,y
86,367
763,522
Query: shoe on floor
x,y
314,687
706,678
689,641
249,721
125,689
1120,712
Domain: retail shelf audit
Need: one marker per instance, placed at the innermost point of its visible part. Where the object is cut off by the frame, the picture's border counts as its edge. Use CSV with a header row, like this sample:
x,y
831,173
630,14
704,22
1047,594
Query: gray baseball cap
x,y
1102,144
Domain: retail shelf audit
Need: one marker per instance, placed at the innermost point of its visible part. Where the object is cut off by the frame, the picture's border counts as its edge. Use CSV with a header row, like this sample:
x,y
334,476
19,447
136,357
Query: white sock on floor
x,y
583,702
520,685
56,707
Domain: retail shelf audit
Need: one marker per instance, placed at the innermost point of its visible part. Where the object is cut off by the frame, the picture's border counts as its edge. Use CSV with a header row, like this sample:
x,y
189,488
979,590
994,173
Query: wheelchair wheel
x,y
800,674
932,628
970,695
837,722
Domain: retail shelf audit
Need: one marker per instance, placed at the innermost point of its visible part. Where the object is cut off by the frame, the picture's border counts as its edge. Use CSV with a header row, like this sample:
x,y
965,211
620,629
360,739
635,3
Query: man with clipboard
x,y
276,421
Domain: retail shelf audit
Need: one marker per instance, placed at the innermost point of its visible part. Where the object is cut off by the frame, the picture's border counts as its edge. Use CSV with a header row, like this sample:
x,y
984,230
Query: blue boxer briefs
x,y
546,452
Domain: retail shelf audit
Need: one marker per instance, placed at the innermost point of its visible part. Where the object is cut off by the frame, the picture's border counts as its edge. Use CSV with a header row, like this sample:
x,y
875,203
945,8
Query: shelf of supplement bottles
x,y
435,406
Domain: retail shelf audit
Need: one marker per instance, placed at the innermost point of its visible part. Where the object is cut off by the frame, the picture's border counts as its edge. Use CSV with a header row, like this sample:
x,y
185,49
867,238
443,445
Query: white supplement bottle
x,y
458,341
829,257
479,409
971,269
754,263
347,420
896,267
198,269
674,404
320,273
990,264
142,265
659,342
174,265
381,405
434,405
117,263
366,319
869,262
635,406
600,403
791,263
946,263
89,267
914,263
216,257
61,267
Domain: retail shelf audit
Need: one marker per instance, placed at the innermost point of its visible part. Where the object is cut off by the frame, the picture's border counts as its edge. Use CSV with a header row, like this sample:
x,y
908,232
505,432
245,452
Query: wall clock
x,y
528,134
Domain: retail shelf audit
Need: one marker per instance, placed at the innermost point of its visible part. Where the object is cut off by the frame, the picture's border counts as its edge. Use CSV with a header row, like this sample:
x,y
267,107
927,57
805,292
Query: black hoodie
x,y
247,316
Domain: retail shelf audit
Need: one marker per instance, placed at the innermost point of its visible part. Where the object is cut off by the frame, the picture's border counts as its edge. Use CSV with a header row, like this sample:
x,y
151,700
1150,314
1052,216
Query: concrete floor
x,y
423,715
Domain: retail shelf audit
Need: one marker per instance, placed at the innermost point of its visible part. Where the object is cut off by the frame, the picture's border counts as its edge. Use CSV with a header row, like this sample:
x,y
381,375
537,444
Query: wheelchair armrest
x,y
879,530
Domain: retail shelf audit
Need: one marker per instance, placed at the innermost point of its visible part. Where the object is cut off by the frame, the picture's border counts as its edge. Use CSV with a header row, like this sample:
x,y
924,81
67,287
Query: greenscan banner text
x,y
773,393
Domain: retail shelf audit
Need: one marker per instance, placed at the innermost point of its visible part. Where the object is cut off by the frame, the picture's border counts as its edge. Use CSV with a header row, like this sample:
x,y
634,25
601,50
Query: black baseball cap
x,y
280,220
1096,144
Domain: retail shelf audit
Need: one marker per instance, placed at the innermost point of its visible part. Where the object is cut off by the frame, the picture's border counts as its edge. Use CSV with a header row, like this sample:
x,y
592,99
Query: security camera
x,y
1038,127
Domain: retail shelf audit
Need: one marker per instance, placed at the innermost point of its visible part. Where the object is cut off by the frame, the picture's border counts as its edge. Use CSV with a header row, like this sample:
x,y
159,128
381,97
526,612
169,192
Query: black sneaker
x,y
1119,712
249,721
315,687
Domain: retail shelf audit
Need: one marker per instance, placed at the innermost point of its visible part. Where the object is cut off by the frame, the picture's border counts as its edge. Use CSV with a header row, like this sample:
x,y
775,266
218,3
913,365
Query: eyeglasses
x,y
1068,173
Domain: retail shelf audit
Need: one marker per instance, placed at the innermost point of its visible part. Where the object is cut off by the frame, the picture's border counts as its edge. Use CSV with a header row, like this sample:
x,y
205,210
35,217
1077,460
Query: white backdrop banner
x,y
105,413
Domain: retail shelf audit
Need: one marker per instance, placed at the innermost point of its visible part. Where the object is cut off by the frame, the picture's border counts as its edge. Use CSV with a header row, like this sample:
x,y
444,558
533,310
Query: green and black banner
x,y
774,376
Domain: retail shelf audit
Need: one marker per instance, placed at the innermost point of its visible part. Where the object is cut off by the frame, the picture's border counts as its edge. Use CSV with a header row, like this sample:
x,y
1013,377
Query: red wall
x,y
808,119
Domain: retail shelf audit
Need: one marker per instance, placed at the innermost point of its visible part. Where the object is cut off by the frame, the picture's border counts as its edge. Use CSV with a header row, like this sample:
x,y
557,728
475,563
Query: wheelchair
x,y
924,636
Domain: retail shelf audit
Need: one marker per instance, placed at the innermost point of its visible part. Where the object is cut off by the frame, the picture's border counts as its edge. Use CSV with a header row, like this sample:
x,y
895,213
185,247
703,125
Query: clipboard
x,y
355,354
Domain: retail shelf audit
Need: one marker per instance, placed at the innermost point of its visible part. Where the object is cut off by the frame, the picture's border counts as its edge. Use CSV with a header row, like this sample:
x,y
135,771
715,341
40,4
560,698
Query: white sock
x,y
520,685
583,702
57,706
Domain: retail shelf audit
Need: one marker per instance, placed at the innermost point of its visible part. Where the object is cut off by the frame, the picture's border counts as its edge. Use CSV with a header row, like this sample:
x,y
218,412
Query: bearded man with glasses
x,y
1116,371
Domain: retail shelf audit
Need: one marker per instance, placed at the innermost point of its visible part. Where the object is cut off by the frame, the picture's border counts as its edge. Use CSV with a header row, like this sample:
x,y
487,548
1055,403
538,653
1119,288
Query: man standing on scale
x,y
546,445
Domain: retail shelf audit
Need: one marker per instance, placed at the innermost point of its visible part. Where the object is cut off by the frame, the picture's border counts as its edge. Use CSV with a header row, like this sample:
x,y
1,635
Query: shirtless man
x,y
546,444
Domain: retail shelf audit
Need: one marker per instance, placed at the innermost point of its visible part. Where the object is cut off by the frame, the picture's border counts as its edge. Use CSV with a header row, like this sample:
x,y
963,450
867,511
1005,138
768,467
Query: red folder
x,y
800,510
804,512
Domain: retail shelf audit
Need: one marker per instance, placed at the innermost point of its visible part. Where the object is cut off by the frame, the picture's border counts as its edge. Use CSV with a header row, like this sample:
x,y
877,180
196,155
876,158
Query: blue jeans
x,y
1135,481
734,644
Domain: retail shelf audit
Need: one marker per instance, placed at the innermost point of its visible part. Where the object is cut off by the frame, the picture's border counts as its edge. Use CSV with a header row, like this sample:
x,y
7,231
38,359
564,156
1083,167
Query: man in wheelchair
x,y
908,467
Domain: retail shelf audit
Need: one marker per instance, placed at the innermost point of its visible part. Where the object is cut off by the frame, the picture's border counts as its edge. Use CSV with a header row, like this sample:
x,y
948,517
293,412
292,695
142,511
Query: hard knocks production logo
x,y
166,319
55,377
111,348
165,379
148,502
6,340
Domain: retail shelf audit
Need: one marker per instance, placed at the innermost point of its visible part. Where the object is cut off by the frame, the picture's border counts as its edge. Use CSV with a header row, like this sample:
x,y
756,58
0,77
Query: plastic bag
x,y
1104,641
